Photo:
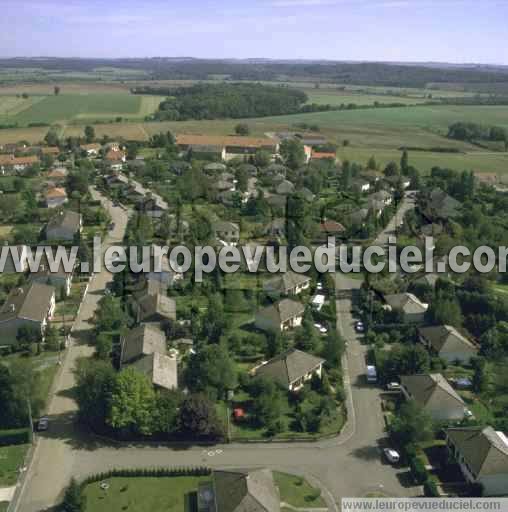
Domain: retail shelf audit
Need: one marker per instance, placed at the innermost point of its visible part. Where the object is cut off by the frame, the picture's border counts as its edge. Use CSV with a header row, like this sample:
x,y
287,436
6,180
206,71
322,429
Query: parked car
x,y
43,424
391,455
321,328
359,327
393,386
111,226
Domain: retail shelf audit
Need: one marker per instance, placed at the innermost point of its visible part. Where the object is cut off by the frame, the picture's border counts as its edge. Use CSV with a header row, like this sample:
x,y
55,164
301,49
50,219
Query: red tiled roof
x,y
330,226
55,193
115,156
317,155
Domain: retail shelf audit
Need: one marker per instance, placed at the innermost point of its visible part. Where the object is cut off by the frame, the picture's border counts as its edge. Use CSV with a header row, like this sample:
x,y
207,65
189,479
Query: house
x,y
441,206
409,306
359,217
310,139
161,370
91,150
156,308
331,228
276,228
307,194
396,180
433,393
153,206
160,269
285,188
448,343
372,176
360,185
280,316
226,232
29,305
214,167
58,174
115,155
65,225
207,151
292,369
376,207
307,151
60,279
23,162
239,490
226,147
482,455
16,263
382,196
147,286
141,341
288,283
55,197
323,155
50,150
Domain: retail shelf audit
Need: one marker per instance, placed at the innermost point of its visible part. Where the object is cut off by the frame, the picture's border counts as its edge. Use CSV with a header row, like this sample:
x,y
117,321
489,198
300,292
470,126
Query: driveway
x,y
348,465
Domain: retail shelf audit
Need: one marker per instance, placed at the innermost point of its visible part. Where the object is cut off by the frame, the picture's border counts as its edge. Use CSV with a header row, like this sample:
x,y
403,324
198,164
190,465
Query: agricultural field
x,y
331,97
69,108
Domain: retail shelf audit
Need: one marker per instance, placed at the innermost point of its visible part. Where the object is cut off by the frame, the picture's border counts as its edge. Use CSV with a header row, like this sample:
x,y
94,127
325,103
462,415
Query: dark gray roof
x,y
242,490
160,369
446,337
282,283
441,205
158,304
423,387
484,450
283,310
141,341
29,302
289,366
65,219
405,302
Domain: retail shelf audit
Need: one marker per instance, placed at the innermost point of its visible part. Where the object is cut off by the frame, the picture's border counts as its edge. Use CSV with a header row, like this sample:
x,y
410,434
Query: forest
x,y
219,101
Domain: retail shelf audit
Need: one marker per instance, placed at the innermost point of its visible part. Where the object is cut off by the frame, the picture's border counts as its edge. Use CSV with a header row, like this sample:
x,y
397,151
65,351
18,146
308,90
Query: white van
x,y
371,374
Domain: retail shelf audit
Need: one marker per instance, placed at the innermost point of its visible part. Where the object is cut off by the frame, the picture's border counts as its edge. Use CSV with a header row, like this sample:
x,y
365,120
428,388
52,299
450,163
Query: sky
x,y
461,31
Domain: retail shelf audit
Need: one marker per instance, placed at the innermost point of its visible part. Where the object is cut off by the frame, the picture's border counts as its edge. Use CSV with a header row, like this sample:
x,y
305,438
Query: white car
x,y
393,386
359,327
321,328
391,455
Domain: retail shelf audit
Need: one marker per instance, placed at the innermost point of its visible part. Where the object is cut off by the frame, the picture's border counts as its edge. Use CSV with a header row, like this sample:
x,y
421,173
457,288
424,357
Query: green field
x,y
296,491
330,97
11,459
175,494
67,108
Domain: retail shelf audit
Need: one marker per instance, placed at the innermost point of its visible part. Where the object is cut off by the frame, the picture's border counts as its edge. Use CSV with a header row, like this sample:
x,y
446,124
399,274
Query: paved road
x,y
407,203
348,465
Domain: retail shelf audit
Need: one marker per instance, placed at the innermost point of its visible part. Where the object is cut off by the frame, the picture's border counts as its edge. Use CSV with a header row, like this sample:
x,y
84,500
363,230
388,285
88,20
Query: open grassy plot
x,y
296,491
128,131
47,89
424,160
12,105
67,107
330,97
169,494
31,135
11,458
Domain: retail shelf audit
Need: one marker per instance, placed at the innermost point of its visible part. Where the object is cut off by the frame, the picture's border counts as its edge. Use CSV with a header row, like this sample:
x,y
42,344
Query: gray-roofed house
x,y
160,369
441,206
141,341
65,225
244,490
276,228
284,188
30,305
383,196
287,283
60,279
153,206
292,369
16,263
448,343
280,316
409,306
432,392
156,308
227,232
482,454
360,185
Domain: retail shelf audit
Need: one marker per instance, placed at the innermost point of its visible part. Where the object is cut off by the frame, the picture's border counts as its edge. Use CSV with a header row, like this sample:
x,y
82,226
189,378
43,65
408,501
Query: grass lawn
x,y
501,289
166,494
296,491
11,458
3,506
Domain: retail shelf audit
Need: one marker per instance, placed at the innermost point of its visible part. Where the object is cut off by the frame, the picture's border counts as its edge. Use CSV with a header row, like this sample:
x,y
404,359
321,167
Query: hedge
x,y
147,472
418,470
14,436
430,488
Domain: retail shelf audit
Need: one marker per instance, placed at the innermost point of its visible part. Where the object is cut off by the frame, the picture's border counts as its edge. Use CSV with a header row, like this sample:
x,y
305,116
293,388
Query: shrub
x,y
430,488
418,470
15,436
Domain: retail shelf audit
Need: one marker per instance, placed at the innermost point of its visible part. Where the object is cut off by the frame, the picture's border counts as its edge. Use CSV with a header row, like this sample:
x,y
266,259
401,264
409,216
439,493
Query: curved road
x,y
348,465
